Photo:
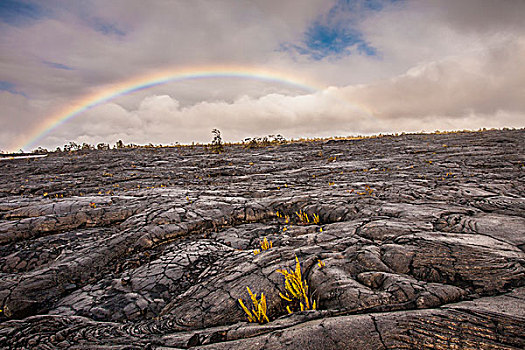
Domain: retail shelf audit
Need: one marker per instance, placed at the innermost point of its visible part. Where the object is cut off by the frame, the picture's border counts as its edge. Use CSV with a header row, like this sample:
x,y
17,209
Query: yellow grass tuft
x,y
258,311
296,290
265,245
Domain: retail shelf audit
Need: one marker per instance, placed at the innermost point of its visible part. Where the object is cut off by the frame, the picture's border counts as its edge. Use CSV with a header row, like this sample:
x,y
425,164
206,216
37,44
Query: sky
x,y
91,70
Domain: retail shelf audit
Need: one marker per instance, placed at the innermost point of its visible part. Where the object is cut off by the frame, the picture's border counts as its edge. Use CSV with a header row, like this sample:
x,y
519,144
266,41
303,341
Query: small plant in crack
x,y
258,311
296,288
265,245
303,217
285,217
368,190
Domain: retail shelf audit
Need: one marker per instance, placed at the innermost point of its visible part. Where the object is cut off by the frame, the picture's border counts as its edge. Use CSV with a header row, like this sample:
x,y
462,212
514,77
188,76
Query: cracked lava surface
x,y
422,239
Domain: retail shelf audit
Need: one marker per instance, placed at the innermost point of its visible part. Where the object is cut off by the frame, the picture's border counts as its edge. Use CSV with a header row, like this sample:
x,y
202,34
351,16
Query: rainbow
x,y
108,93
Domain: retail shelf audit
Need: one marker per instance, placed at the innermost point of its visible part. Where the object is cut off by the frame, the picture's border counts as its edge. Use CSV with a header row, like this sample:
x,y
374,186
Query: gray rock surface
x,y
420,244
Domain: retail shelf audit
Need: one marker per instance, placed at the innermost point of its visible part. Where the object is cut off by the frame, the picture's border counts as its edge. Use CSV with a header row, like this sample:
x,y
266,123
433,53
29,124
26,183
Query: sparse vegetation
x,y
119,144
217,145
368,190
263,141
102,146
297,294
265,245
302,217
285,217
40,150
258,311
72,147
305,219
246,143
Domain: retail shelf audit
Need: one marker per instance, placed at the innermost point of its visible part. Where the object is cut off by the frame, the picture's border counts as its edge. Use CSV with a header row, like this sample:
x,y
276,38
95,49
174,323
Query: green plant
x,y
258,312
296,290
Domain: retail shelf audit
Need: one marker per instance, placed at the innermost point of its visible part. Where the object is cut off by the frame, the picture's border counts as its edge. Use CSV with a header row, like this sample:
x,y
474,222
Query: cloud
x,y
334,34
10,87
16,113
478,89
57,65
162,119
407,65
480,83
106,42
481,16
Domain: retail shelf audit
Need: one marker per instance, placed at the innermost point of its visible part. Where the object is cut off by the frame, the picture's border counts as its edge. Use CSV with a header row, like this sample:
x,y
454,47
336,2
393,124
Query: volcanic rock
x,y
410,241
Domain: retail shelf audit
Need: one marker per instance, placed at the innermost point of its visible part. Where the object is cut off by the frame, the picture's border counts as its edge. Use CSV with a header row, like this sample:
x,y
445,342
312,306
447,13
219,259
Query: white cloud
x,y
160,118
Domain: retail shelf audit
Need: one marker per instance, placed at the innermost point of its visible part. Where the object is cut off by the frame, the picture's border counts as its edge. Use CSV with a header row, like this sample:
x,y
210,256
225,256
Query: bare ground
x,y
421,240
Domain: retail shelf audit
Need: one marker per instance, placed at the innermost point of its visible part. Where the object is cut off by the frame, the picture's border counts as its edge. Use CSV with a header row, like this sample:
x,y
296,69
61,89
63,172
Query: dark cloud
x,y
483,82
484,16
